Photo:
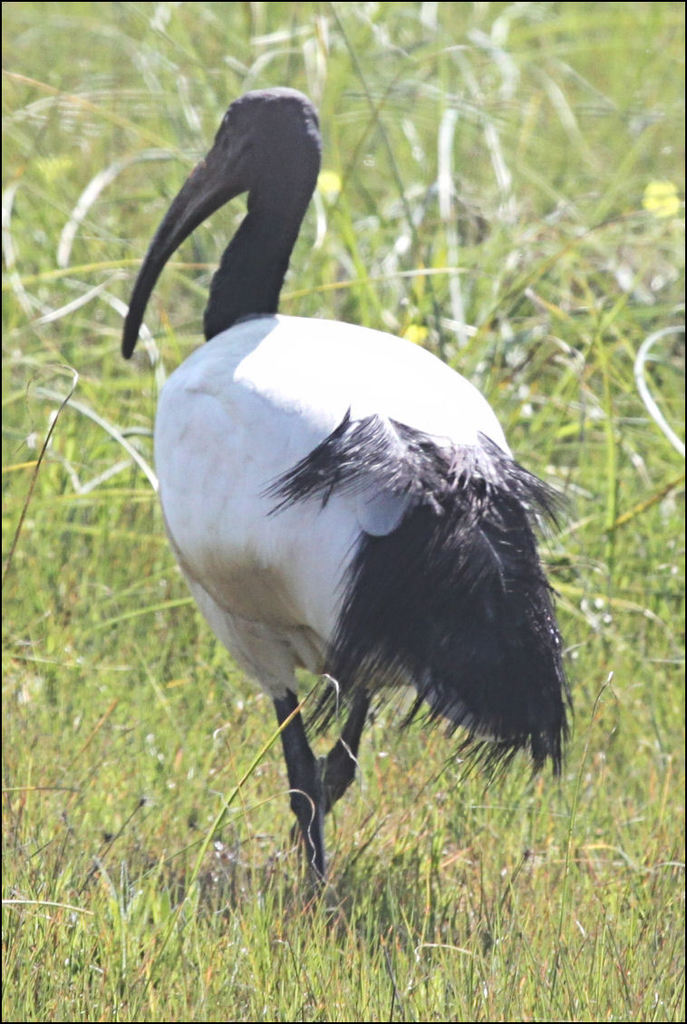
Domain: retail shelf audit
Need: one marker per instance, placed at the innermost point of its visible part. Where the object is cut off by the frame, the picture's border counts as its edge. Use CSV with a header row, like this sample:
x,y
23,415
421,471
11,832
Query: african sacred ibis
x,y
338,499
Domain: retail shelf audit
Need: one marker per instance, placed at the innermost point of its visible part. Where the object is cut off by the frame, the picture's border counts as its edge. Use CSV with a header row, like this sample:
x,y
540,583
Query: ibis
x,y
340,500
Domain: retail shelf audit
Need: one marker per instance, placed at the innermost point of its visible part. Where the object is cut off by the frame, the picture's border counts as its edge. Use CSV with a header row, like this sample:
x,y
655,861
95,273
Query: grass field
x,y
505,187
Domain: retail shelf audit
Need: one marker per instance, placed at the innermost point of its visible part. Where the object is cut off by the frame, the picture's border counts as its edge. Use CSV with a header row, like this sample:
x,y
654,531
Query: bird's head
x,y
268,145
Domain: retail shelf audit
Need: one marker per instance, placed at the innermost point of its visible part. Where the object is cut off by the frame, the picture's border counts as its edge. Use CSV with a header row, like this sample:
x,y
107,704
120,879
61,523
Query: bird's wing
x,y
380,512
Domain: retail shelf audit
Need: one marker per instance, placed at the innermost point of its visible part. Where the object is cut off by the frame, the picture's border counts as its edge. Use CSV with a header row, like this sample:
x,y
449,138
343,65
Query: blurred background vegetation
x,y
504,184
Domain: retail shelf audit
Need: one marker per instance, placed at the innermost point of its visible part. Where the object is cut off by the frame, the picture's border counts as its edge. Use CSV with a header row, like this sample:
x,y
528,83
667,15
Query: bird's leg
x,y
339,766
305,784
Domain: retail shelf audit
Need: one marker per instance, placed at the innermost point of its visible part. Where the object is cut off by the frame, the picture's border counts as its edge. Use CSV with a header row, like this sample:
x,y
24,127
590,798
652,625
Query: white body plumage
x,y
240,412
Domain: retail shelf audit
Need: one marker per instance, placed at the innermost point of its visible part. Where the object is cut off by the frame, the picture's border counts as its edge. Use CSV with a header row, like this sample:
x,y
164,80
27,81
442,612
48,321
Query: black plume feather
x,y
453,600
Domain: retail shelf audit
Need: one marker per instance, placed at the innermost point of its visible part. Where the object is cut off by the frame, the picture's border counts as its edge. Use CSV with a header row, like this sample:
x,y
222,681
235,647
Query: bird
x,y
341,500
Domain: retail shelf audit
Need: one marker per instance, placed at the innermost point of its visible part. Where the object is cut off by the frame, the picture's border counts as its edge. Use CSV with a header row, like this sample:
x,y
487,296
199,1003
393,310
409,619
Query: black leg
x,y
341,761
307,801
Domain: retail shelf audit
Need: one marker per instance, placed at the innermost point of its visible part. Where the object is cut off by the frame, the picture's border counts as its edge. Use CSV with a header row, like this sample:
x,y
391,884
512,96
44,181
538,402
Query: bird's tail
x,y
453,600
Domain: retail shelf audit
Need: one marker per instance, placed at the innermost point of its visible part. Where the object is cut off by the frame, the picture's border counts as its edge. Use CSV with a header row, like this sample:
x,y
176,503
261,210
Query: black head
x,y
266,135
268,145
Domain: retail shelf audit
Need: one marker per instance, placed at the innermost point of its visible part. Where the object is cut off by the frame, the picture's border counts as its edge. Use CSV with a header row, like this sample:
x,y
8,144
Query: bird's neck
x,y
252,269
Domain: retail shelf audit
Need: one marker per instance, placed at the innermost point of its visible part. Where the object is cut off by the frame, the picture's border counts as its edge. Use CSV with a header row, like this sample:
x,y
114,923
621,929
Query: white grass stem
x,y
643,386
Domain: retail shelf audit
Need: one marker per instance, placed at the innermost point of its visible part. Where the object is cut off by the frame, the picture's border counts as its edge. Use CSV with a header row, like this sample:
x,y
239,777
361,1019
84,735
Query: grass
x,y
493,195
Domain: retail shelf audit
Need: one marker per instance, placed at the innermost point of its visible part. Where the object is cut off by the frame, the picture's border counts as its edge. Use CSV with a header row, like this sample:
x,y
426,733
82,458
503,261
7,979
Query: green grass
x,y
126,727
